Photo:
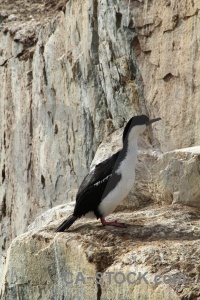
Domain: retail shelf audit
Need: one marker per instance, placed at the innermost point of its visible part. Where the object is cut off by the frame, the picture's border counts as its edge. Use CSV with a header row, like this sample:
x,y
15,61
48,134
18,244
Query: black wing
x,y
100,172
95,186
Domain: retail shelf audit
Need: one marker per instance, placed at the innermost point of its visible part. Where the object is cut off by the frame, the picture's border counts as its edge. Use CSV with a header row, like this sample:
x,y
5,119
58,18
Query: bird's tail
x,y
66,224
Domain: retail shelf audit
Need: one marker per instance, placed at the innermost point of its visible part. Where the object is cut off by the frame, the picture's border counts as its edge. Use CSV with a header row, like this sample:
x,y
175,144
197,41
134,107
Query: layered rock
x,y
55,101
162,241
156,256
72,73
176,177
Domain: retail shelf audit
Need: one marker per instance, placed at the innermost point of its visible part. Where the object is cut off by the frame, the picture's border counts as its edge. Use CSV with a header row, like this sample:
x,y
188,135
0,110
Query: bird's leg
x,y
115,223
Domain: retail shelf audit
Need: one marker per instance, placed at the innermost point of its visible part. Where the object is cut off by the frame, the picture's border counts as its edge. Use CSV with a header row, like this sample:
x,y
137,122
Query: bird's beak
x,y
153,120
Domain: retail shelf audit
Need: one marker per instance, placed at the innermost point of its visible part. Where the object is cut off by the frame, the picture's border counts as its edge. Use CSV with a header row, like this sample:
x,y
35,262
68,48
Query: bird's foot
x,y
112,223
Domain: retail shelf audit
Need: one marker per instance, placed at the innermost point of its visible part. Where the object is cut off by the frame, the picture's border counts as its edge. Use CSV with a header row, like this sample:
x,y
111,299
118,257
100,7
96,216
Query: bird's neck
x,y
129,150
130,145
127,155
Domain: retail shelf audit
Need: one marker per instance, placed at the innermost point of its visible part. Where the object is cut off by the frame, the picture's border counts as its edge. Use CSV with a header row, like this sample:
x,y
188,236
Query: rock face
x,y
156,257
55,100
176,177
71,73
162,241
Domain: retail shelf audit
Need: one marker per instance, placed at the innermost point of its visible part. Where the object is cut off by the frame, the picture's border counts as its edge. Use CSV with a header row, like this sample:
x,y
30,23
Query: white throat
x,y
133,136
132,145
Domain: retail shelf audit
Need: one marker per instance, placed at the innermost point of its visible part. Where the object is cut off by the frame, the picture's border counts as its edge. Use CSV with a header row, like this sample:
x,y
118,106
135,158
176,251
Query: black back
x,y
96,186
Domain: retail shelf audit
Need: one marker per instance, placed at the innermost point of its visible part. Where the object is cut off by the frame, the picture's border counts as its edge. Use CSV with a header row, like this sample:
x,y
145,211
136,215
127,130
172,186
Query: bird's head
x,y
136,125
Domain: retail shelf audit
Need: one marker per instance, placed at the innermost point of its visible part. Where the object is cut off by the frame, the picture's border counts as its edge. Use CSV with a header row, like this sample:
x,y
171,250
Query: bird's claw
x,y
112,223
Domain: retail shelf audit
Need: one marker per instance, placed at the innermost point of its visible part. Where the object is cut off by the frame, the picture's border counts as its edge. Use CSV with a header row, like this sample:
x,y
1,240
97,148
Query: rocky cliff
x,y
73,72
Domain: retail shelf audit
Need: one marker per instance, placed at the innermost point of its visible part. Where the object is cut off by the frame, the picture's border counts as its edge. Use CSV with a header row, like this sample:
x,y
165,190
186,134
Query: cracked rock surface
x,y
160,240
156,256
71,73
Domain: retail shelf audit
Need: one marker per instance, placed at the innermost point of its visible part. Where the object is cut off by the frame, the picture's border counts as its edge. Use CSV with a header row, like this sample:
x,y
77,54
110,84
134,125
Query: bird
x,y
111,180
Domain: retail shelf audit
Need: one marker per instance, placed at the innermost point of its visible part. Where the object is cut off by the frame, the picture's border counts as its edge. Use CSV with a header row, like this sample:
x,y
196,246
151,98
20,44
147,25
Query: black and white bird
x,y
111,180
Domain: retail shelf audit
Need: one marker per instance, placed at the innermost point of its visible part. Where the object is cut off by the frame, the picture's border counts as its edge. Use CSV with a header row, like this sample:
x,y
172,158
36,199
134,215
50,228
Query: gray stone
x,y
176,177
162,241
73,74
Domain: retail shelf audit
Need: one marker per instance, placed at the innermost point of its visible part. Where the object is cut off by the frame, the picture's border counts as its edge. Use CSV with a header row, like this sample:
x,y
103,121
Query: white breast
x,y
127,171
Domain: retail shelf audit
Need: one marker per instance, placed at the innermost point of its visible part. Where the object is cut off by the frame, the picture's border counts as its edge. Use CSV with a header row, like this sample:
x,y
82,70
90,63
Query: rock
x,y
50,215
176,177
170,81
156,250
12,17
162,241
56,107
75,73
